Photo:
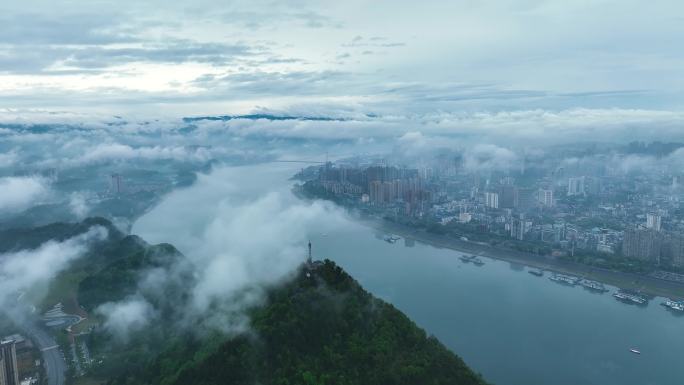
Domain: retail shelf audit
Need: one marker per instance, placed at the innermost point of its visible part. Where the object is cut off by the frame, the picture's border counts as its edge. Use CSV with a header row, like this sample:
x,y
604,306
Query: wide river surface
x,y
511,326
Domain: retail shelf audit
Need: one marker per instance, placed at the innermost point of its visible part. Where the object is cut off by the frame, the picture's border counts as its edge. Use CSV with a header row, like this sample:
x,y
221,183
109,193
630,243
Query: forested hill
x,y
320,328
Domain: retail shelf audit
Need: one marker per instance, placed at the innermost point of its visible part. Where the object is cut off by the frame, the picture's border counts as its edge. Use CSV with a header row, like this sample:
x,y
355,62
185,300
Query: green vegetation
x,y
31,238
119,278
318,329
612,261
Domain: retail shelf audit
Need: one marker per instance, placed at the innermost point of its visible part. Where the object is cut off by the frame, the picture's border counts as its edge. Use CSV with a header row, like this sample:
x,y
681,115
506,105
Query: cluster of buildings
x,y
648,243
402,189
562,206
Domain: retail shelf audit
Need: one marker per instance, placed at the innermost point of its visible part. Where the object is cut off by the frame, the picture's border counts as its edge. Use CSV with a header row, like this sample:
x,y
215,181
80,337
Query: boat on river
x,y
593,285
674,305
564,279
630,296
391,238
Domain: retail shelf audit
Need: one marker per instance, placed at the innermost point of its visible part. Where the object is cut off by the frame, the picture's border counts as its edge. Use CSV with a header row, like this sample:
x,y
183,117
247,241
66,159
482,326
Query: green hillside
x,y
319,327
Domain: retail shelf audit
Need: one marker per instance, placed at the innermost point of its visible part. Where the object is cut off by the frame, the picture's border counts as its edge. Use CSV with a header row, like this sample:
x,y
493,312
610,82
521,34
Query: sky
x,y
351,58
112,80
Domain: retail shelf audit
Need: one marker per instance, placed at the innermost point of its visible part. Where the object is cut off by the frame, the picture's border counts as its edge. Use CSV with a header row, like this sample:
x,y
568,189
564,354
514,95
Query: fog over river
x,y
244,225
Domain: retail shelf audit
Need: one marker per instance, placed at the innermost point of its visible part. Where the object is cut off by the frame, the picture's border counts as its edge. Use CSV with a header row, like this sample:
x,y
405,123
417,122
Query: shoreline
x,y
650,286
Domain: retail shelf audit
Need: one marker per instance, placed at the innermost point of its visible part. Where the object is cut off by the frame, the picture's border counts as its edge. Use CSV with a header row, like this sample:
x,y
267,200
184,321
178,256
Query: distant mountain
x,y
30,238
259,116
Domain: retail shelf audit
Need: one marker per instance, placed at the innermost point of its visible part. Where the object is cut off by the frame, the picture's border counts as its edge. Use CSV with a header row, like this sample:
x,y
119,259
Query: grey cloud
x,y
92,59
29,272
19,193
274,83
40,28
275,14
126,316
232,264
177,52
8,159
376,41
78,204
487,157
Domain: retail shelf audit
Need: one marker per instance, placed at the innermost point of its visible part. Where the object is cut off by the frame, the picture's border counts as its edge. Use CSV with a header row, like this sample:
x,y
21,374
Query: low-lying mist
x,y
241,230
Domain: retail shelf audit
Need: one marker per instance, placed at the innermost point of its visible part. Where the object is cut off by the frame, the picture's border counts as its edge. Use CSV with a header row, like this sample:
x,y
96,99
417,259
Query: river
x,y
511,326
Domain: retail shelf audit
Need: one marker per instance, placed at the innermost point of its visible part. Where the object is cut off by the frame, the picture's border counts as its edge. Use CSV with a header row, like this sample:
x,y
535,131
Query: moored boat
x,y
630,296
674,305
593,285
564,279
390,238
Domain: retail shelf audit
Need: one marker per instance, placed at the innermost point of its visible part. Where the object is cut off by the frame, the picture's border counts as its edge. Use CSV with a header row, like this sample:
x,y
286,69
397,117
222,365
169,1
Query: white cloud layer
x,y
18,193
126,316
32,270
240,235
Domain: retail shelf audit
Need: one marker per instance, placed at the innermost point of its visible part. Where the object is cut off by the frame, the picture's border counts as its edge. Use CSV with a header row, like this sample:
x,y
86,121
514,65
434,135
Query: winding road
x,y
55,367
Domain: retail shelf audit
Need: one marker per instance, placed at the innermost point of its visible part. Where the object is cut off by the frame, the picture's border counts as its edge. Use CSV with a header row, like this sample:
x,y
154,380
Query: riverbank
x,y
649,285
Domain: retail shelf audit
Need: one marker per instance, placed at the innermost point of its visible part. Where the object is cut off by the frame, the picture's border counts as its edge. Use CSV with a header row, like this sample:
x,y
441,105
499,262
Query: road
x,y
55,367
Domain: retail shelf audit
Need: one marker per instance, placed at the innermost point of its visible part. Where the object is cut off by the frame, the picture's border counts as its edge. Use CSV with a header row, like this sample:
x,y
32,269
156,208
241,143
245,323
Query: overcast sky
x,y
381,57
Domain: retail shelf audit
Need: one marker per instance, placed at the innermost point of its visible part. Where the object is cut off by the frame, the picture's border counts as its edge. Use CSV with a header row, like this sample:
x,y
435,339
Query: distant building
x,y
376,195
653,221
9,374
576,186
518,227
643,244
545,197
508,196
492,200
527,198
592,186
676,250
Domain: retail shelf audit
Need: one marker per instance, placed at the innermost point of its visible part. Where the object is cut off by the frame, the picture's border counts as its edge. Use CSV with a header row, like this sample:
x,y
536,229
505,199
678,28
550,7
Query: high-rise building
x,y
653,221
644,244
545,197
9,374
576,186
375,189
492,200
592,185
508,196
527,198
677,250
518,227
